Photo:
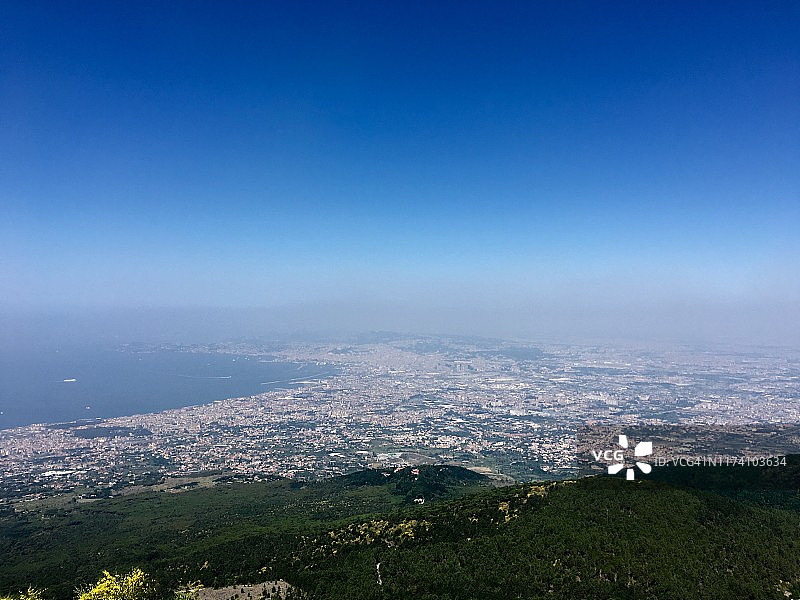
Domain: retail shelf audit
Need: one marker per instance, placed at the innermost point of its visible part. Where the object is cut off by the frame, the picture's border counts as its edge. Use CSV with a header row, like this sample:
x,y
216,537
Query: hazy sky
x,y
490,167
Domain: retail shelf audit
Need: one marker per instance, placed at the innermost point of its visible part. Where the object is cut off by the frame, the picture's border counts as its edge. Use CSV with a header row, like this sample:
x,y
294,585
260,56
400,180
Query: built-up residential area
x,y
506,409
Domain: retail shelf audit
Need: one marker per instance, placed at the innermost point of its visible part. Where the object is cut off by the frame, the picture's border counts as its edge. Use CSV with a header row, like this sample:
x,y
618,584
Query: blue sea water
x,y
35,385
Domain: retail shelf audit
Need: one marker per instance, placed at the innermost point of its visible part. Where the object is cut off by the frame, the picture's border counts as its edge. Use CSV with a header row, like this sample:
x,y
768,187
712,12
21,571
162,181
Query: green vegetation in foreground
x,y
599,537
135,585
220,535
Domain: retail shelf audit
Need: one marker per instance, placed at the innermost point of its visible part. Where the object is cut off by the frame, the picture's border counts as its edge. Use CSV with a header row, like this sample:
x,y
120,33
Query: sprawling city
x,y
505,409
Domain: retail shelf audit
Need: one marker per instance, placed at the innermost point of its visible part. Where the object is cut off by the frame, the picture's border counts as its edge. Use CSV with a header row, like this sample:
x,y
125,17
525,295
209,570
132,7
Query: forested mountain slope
x,y
363,537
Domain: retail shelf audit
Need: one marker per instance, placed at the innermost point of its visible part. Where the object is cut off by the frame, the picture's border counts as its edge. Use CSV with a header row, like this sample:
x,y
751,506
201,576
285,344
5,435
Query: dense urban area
x,y
509,410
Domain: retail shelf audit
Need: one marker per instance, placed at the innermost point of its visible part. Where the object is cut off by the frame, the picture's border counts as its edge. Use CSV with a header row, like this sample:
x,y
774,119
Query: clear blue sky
x,y
505,158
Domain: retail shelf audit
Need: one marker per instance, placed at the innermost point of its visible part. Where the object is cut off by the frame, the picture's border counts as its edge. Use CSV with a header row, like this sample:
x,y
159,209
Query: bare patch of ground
x,y
268,589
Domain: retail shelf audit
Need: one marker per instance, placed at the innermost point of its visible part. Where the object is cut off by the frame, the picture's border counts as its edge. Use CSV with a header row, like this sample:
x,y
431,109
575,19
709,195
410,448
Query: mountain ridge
x,y
598,537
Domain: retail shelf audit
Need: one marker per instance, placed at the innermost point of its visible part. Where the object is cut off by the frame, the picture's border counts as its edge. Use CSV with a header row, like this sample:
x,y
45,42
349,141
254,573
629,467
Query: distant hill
x,y
363,536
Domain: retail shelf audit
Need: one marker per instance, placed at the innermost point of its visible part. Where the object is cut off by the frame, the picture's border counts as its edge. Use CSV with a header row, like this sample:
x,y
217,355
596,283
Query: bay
x,y
55,386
